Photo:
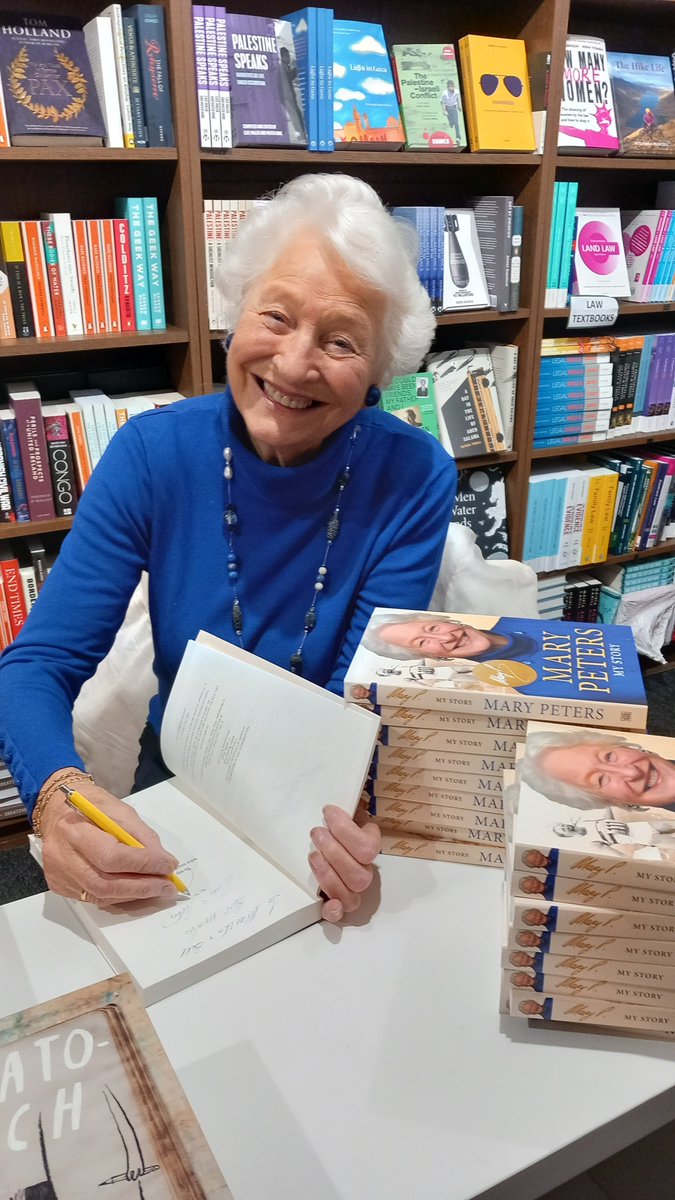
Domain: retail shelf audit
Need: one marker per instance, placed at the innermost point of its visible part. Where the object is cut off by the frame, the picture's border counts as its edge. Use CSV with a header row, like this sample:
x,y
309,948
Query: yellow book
x,y
589,535
606,506
497,93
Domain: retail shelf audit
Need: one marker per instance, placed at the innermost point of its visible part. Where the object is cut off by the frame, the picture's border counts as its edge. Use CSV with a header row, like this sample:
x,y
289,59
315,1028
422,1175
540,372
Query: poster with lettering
x,y
519,666
88,1099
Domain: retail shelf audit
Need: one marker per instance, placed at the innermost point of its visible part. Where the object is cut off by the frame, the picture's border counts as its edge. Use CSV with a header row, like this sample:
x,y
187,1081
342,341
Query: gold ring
x,y
83,896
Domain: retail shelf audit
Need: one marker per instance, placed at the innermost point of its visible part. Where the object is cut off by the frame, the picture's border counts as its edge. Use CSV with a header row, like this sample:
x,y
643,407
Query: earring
x,y
228,342
373,397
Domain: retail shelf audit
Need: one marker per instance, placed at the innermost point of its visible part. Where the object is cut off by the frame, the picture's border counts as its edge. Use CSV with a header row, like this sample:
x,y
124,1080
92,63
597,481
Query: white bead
x,y
318,587
323,570
227,454
228,472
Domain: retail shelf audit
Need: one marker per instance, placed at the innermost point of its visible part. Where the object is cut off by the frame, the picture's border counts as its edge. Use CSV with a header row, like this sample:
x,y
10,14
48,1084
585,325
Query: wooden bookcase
x,y
85,182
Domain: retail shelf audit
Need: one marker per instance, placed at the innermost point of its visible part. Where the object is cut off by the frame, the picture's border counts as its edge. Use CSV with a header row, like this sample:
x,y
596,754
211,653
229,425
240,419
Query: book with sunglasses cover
x,y
594,806
427,84
587,111
497,93
577,674
469,418
645,104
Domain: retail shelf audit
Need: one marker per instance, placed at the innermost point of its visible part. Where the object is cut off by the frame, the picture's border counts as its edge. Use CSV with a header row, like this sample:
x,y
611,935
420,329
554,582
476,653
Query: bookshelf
x,y
85,181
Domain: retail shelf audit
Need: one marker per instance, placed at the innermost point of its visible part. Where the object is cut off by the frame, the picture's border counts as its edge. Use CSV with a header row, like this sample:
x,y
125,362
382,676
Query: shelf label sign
x,y
587,311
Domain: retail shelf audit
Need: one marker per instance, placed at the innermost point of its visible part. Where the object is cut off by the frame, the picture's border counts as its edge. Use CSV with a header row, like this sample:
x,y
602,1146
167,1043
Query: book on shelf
x,y
307,37
132,210
645,103
38,283
503,666
68,270
60,454
265,96
10,582
539,64
599,265
497,93
587,122
98,37
46,57
54,278
11,247
494,227
481,506
133,65
4,127
154,72
257,752
517,228
210,36
114,14
130,1119
561,245
154,259
366,111
9,439
467,406
24,403
464,281
412,398
427,86
7,326
224,98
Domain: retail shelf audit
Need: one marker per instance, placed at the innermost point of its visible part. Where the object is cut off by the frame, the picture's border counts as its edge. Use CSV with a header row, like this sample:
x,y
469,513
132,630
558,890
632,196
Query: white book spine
x,y
201,77
29,585
98,38
46,330
223,78
210,254
212,73
68,267
114,12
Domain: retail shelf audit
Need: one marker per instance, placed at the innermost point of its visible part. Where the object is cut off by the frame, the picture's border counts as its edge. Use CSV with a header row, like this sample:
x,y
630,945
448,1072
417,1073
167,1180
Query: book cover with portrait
x,y
47,81
551,670
427,83
595,804
645,103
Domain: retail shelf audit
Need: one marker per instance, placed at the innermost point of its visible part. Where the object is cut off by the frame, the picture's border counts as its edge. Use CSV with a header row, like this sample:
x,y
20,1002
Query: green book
x,y
427,82
412,398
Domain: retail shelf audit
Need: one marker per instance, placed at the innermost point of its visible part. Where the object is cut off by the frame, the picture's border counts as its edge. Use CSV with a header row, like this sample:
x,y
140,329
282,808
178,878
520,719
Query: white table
x,y
371,1063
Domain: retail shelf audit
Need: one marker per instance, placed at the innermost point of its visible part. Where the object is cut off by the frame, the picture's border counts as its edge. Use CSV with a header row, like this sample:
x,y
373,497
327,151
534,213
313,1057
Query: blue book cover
x,y
567,243
553,267
644,98
366,111
134,76
47,80
305,26
154,70
154,258
536,522
131,208
326,136
266,99
413,214
17,483
554,524
643,372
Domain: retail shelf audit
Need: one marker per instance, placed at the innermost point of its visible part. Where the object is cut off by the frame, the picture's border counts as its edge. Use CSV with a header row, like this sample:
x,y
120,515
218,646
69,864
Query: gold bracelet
x,y
69,775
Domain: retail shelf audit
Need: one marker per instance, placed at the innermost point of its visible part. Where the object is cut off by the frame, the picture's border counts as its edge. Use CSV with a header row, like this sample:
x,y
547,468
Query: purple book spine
x,y
34,457
258,114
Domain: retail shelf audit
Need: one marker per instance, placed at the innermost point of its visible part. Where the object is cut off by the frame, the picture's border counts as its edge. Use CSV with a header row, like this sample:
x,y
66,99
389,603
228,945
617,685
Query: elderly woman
x,y
276,515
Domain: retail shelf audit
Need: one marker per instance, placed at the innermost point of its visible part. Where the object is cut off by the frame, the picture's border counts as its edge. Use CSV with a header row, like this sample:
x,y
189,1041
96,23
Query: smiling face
x,y
305,351
621,775
436,639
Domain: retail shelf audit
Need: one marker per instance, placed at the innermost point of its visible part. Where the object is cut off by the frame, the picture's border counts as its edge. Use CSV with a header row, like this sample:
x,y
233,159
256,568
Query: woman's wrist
x,y
69,775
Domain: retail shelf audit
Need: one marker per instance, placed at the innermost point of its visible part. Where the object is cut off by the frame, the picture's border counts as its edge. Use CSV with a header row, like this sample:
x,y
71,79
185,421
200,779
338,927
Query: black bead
x,y
333,528
237,617
344,478
310,620
296,663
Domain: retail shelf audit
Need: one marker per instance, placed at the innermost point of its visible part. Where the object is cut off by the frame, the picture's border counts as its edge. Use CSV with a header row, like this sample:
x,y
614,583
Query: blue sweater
x,y
156,503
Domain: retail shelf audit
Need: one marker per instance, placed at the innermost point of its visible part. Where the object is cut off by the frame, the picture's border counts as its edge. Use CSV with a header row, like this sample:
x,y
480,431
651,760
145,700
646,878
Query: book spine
x,y
31,234
10,445
134,79
131,209
212,75
60,464
16,605
515,265
440,851
591,712
5,623
65,249
224,97
98,36
7,326
588,1011
110,275
4,127
124,280
54,278
438,741
154,70
97,275
84,279
387,759
7,513
128,135
29,585
201,75
34,459
595,893
489,801
17,274
414,718
154,259
444,830
80,447
388,808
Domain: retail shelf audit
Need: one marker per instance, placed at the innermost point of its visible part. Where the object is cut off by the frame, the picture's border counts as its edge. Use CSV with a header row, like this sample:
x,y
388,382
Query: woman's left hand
x,y
345,850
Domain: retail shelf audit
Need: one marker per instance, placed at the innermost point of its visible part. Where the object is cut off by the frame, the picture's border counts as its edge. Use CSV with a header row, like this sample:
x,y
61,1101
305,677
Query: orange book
x,y
54,278
78,439
4,128
110,274
97,275
38,284
6,634
13,590
84,275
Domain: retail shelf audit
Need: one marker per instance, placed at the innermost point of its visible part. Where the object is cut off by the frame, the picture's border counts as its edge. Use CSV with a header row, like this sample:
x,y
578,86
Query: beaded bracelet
x,y
73,775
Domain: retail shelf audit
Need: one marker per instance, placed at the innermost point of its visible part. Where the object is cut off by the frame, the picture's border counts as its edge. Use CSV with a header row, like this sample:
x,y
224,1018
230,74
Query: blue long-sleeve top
x,y
156,502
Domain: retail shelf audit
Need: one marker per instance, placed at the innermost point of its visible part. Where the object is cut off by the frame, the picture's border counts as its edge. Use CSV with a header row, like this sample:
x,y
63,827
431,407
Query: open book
x,y
256,752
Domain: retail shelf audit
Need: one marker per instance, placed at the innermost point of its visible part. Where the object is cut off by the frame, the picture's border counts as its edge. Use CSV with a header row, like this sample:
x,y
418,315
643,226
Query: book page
x,y
235,895
263,750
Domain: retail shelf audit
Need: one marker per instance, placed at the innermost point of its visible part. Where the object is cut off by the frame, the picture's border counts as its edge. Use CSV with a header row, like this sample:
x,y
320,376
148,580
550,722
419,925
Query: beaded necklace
x,y
233,564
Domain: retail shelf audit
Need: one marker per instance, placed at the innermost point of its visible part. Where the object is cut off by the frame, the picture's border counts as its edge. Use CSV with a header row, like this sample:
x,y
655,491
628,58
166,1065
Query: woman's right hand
x,y
80,861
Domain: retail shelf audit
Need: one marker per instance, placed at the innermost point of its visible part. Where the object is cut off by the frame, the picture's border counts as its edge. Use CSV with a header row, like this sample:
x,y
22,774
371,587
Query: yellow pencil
x,y
86,809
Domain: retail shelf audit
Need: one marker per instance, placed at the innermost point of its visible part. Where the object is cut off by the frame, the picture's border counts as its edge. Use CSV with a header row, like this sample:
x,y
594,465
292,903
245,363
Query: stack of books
x,y
590,912
454,693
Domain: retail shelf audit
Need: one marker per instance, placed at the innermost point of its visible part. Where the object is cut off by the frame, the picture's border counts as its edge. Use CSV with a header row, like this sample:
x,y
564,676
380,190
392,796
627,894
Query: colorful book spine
x,y
131,210
7,513
17,274
65,249
114,12
60,461
110,275
95,242
201,76
27,410
154,261
10,582
224,98
38,283
4,127
213,88
124,279
10,445
54,278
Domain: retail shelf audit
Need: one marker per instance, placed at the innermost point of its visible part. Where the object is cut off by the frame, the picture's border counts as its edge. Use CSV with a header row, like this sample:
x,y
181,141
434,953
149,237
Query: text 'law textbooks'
x,y
266,102
47,81
257,752
128,1118
497,93
427,85
500,666
645,103
587,116
366,111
